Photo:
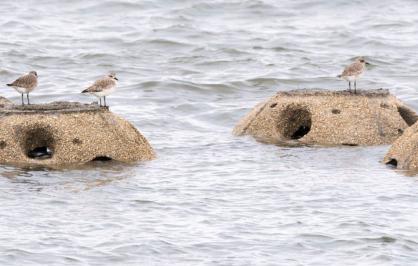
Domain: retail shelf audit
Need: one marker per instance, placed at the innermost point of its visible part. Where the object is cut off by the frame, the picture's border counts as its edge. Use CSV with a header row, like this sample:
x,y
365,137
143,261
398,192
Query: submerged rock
x,y
63,133
404,152
325,117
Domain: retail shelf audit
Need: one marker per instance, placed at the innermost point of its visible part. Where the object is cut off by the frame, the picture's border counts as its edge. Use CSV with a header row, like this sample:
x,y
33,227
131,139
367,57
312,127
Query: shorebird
x,y
353,72
25,84
102,87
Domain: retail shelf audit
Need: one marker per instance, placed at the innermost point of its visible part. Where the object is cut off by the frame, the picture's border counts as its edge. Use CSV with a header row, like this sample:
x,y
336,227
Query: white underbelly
x,y
21,90
351,78
105,92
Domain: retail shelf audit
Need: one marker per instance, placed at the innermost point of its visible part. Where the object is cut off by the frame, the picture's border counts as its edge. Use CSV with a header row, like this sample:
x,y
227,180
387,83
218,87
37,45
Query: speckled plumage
x,y
25,84
102,87
355,69
353,72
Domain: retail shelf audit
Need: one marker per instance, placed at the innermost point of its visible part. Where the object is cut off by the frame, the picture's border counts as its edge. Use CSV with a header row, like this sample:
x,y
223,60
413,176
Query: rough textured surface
x,y
73,133
324,117
404,152
4,102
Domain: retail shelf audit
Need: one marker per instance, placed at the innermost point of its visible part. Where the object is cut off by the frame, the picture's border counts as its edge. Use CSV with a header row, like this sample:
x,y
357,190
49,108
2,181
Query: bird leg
x,y
100,101
104,97
27,95
355,86
349,86
23,103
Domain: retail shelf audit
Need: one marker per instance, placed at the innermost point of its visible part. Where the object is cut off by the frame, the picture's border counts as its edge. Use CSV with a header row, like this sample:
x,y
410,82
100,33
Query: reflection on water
x,y
81,177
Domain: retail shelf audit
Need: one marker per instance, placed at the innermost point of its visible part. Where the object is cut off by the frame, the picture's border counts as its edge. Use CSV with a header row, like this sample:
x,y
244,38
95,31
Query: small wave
x,y
166,43
320,237
115,6
18,26
94,55
393,25
382,239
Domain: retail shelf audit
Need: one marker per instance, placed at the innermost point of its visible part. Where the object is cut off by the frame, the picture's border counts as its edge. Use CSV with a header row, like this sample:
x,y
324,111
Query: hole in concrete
x,y
273,105
3,144
102,159
392,162
40,153
407,115
336,111
349,144
295,122
39,143
77,141
302,131
400,131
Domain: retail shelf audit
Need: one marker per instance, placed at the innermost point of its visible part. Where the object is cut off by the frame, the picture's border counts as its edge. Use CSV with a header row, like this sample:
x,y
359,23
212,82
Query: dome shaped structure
x,y
325,117
62,133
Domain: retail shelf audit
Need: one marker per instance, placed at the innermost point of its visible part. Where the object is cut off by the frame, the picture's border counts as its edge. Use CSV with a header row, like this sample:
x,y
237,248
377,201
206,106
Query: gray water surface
x,y
188,71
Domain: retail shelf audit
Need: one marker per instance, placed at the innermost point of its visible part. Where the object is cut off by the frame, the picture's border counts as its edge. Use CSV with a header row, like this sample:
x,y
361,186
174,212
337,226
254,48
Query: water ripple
x,y
188,71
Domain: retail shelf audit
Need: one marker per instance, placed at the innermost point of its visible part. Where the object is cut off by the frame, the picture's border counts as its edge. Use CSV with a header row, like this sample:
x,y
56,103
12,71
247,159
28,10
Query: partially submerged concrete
x,y
325,117
404,152
63,133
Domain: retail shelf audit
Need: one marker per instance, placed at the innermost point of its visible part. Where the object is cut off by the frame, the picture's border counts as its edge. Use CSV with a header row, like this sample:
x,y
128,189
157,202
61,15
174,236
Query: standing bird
x,y
353,72
25,84
103,87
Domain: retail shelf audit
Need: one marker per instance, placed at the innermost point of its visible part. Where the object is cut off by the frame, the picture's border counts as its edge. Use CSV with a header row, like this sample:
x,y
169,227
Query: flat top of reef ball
x,y
322,92
51,108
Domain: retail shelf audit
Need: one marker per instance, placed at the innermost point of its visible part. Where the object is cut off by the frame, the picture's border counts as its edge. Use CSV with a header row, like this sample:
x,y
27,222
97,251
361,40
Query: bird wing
x,y
353,70
25,81
100,84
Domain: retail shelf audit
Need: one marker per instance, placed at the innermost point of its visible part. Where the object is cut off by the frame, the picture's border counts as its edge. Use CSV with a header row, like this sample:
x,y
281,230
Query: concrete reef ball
x,y
67,133
322,117
404,152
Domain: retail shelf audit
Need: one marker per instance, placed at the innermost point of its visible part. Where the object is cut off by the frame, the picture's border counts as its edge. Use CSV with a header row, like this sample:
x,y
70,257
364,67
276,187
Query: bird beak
x,y
368,64
116,78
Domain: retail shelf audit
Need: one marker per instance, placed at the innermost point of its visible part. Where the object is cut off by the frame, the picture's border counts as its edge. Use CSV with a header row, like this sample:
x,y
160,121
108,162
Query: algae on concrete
x,y
70,132
323,117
